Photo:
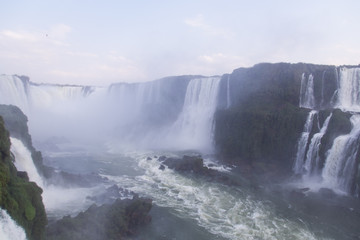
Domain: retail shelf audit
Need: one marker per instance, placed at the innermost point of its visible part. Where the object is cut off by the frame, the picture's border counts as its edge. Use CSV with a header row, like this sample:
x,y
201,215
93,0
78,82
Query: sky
x,y
99,42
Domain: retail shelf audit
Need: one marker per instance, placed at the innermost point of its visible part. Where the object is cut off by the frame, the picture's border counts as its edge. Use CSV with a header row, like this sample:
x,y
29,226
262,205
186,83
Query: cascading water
x,y
13,91
9,230
307,99
24,161
194,127
228,99
302,143
340,166
312,161
349,89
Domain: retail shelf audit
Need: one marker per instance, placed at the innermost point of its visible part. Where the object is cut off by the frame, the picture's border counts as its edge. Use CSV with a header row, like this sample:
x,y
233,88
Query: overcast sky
x,y
100,42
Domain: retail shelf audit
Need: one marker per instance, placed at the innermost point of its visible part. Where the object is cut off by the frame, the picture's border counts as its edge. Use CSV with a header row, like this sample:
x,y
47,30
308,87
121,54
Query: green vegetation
x,y
21,198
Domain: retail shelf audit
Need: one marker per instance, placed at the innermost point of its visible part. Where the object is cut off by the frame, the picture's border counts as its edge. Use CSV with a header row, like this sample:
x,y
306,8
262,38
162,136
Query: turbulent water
x,y
210,210
9,230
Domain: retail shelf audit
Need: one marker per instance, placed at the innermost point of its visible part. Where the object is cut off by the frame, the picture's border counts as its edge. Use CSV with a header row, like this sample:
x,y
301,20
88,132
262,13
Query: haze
x,y
101,42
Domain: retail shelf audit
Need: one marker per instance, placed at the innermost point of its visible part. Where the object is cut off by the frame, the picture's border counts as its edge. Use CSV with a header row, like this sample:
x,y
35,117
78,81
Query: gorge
x,y
296,123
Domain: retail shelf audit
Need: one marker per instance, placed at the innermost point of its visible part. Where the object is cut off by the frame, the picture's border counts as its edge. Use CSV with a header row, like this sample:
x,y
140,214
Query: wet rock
x,y
109,221
195,165
148,158
326,192
111,194
162,167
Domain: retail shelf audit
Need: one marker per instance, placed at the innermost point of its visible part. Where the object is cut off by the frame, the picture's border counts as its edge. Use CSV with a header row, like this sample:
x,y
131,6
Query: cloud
x,y
199,22
59,31
23,36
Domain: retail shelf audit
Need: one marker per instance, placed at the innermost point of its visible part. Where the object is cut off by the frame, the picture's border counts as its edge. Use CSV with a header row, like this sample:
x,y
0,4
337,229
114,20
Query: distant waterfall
x,y
13,91
194,127
24,161
228,99
349,89
312,161
9,229
340,166
307,99
303,142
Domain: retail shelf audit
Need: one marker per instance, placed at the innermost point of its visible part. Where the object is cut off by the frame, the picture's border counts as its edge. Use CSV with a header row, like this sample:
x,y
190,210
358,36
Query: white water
x,y
312,161
14,91
349,89
302,143
194,127
228,212
307,99
9,230
228,97
24,161
340,165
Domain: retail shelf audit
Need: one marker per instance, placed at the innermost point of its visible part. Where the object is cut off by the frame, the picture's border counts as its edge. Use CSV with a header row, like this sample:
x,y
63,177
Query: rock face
x,y
116,221
21,198
260,120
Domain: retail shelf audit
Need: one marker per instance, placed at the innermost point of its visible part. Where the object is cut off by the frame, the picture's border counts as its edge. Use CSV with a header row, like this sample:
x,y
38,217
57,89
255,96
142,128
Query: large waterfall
x,y
340,167
341,164
173,112
194,126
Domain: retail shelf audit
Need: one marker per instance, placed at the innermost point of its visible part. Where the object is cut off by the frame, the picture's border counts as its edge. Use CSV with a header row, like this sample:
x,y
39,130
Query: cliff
x,y
21,198
264,121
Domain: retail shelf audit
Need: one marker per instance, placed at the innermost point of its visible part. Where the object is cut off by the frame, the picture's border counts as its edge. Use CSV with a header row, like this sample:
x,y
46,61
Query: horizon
x,y
96,43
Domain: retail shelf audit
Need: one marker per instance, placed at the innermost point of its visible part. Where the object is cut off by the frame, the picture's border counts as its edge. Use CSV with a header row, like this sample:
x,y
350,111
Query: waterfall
x,y
341,164
349,85
13,91
24,161
307,99
312,161
194,127
303,142
228,99
9,229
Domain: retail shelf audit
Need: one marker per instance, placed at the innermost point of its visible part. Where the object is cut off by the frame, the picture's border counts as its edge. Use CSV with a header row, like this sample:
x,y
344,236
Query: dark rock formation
x,y
115,221
264,121
195,165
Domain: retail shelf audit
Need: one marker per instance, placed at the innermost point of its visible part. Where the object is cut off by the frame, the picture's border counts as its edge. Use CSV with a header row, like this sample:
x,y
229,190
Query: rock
x,y
326,192
116,221
195,165
148,158
111,194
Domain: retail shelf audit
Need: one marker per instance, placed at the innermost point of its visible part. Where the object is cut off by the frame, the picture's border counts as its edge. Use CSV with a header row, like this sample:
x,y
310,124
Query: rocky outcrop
x,y
195,165
109,221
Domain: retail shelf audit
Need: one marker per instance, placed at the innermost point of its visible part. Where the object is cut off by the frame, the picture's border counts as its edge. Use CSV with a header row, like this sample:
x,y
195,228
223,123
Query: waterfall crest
x,y
307,99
